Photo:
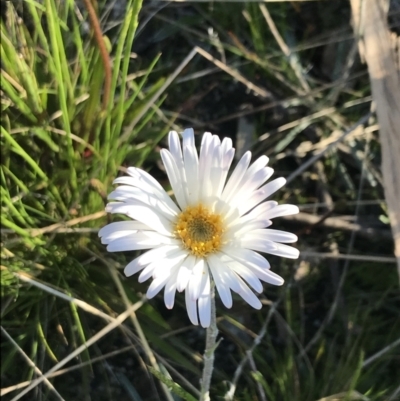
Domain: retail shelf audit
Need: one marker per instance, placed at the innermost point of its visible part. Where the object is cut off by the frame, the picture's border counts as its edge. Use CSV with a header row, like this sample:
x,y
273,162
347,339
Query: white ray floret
x,y
215,231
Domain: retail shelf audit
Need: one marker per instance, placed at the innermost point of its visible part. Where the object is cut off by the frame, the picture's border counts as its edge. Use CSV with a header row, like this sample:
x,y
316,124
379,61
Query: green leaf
x,y
175,388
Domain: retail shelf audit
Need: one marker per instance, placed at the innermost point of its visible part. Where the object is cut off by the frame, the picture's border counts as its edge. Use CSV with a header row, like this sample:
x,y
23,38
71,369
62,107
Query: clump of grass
x,y
331,331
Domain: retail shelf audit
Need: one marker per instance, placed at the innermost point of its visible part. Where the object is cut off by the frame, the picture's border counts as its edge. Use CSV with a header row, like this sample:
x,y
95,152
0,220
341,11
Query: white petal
x,y
226,145
216,171
205,142
239,230
164,264
230,214
228,276
136,182
150,256
282,210
163,252
174,145
140,180
271,235
165,267
263,209
195,281
112,236
286,251
259,177
270,247
191,162
261,212
250,178
132,242
122,226
176,152
247,257
161,239
222,287
261,194
204,163
136,196
257,165
169,292
124,192
144,176
175,178
147,272
256,244
204,305
257,264
132,268
209,163
191,306
249,295
185,272
247,275
236,177
267,275
156,286
225,166
145,214
249,184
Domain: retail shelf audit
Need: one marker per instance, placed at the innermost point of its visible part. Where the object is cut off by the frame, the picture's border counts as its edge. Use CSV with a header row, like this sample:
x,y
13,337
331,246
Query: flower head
x,y
214,231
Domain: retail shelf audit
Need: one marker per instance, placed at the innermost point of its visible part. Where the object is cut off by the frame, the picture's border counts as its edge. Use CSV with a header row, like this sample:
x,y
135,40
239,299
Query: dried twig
x,y
336,300
63,227
336,223
105,57
239,370
31,363
316,157
6,390
335,255
285,49
377,46
196,50
81,304
136,324
253,367
381,352
111,326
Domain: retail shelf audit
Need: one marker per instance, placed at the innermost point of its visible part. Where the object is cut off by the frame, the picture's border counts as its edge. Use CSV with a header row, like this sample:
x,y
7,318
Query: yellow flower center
x,y
200,231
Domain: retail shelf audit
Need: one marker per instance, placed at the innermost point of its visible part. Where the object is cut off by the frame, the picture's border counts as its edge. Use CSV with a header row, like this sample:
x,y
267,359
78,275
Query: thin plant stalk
x,y
211,345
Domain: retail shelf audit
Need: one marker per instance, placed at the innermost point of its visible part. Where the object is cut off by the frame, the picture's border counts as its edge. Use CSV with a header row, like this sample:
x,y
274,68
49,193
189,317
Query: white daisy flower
x,y
214,231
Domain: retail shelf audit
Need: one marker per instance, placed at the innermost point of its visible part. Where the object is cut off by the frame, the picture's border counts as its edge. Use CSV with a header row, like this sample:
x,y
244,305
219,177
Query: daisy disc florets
x,y
214,231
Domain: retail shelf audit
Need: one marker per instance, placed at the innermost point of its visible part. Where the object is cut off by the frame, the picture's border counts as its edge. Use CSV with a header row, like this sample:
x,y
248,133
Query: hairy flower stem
x,y
211,345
